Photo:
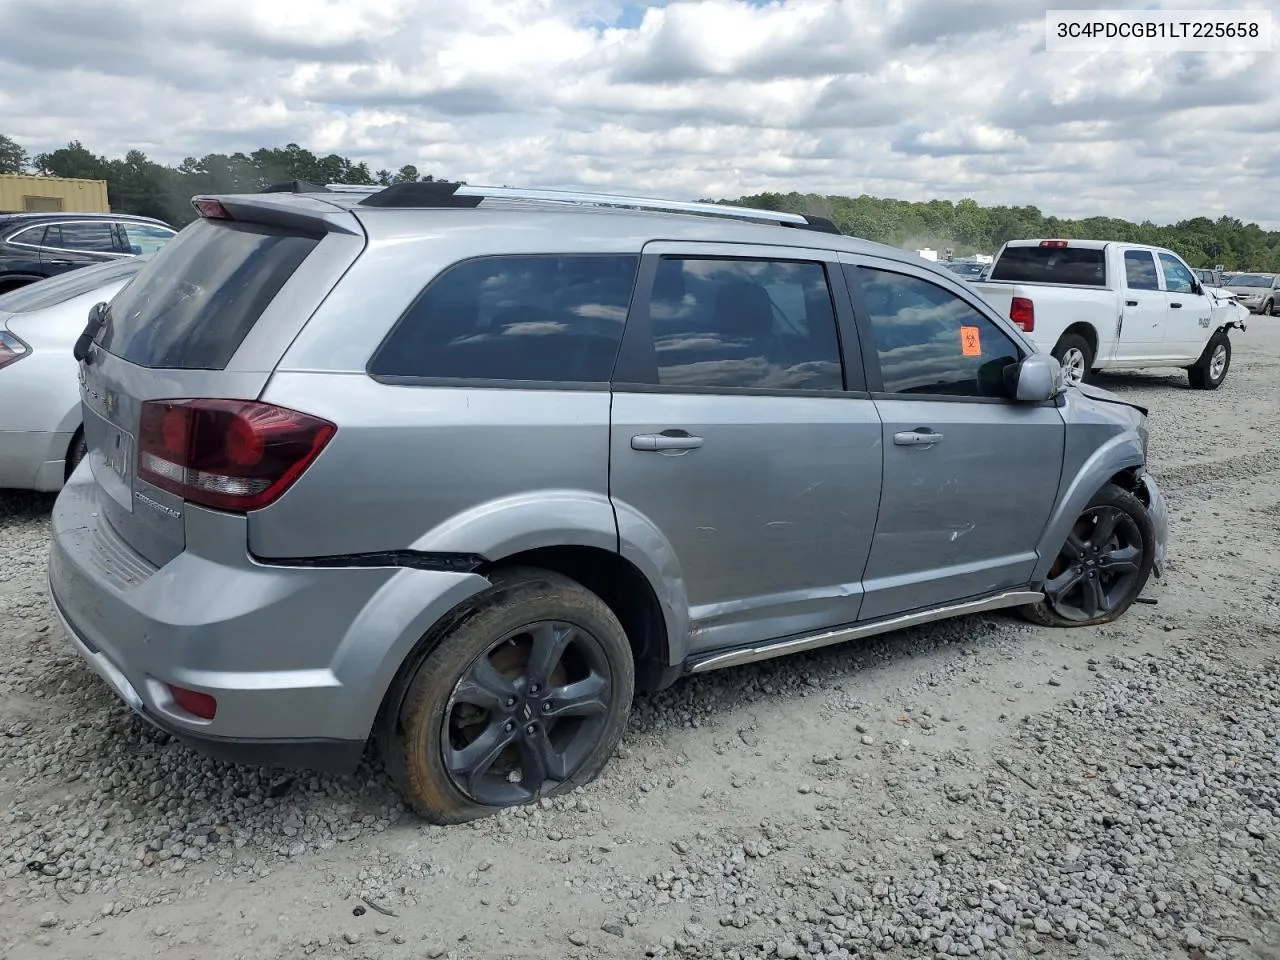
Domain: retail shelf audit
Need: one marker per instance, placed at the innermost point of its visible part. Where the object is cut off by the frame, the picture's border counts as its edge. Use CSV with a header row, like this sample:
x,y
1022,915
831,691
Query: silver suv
x,y
461,469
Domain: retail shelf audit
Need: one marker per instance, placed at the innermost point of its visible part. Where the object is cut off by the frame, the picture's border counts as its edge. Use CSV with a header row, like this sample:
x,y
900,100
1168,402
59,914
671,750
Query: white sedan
x,y
40,436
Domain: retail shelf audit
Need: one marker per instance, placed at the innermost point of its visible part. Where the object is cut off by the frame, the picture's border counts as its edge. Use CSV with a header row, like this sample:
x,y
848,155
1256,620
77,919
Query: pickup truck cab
x,y
1103,305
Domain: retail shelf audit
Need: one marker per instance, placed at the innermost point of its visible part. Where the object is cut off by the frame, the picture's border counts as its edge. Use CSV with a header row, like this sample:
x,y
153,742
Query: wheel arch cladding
x,y
624,589
1118,457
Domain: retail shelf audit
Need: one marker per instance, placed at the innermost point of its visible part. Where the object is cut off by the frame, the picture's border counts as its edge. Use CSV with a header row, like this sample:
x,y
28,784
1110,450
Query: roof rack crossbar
x,y
353,188
638,203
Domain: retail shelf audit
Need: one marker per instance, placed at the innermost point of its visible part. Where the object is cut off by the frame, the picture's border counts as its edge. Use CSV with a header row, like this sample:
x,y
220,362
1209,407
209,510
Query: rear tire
x,y
1210,370
1076,356
1104,565
525,696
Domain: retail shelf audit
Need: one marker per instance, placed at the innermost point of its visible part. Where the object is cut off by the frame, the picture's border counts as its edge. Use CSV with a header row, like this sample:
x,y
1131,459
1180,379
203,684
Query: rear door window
x,y
88,237
192,306
743,323
545,319
1140,270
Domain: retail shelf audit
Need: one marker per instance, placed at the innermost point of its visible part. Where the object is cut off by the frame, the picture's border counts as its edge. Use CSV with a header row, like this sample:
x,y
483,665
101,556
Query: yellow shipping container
x,y
20,193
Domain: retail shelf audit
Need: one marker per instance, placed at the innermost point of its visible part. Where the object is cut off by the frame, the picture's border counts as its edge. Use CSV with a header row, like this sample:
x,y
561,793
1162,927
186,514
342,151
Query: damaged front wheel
x,y
1102,567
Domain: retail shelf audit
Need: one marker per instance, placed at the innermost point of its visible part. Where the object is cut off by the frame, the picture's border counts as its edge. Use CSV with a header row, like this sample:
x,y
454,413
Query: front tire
x,y
525,696
1104,565
1076,357
1269,308
1211,369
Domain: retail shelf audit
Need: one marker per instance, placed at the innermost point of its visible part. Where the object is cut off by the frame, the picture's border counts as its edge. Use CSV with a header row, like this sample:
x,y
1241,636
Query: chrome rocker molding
x,y
777,648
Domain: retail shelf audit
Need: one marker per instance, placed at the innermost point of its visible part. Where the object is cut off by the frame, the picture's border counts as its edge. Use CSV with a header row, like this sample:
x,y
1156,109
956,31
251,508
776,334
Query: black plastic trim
x,y
623,387
414,559
420,193
463,383
339,757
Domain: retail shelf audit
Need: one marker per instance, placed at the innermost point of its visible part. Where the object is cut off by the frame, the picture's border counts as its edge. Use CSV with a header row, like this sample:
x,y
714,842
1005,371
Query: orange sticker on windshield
x,y
970,344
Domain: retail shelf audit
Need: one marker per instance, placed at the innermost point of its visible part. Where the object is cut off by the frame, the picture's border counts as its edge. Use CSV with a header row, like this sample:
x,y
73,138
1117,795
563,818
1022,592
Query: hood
x,y
1246,291
1106,396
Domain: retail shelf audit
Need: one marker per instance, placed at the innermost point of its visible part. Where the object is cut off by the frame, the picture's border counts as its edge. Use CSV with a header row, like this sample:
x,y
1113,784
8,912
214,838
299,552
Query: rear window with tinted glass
x,y
196,301
1070,265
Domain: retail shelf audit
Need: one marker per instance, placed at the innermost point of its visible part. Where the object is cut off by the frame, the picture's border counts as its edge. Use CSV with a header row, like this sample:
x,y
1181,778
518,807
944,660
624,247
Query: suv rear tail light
x,y
11,349
1053,243
1023,312
235,455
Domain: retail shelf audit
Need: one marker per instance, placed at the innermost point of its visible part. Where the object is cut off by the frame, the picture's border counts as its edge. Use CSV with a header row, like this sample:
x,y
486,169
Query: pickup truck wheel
x,y
1076,357
1211,369
526,696
1103,566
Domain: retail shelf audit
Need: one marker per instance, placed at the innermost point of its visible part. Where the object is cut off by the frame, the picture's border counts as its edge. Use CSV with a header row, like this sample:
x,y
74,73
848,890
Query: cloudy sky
x,y
913,99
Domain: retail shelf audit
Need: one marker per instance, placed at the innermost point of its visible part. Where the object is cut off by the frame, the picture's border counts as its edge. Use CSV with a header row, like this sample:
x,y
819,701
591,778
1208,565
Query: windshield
x,y
49,293
1251,280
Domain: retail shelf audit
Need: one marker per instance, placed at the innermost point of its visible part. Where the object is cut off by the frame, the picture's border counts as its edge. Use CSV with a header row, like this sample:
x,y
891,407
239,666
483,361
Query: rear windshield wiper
x,y
99,319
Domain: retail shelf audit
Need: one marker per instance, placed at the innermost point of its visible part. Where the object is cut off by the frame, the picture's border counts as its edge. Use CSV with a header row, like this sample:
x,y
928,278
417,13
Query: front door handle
x,y
921,437
1131,303
665,441
1176,306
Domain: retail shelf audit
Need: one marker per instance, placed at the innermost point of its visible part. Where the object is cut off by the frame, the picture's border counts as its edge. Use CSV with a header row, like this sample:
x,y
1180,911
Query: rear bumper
x,y
33,460
329,756
298,659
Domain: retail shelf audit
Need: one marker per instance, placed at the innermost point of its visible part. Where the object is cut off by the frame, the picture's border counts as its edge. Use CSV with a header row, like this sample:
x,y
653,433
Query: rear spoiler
x,y
306,214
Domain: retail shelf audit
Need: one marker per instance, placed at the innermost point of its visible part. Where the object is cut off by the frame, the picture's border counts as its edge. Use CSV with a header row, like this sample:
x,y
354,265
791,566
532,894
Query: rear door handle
x,y
664,441
922,437
1131,303
1176,306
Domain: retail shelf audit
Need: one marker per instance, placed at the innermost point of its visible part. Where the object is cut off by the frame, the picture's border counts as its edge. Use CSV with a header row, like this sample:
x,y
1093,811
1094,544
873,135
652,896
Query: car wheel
x,y
1103,566
76,452
526,695
1269,309
1076,356
1211,369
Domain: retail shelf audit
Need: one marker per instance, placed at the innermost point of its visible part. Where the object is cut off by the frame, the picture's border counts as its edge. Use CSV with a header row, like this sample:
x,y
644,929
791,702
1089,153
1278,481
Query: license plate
x,y
117,451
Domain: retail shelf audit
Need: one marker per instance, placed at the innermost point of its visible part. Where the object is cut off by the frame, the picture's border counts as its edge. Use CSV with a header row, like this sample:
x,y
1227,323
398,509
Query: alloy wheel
x,y
527,713
1073,365
1218,361
1096,569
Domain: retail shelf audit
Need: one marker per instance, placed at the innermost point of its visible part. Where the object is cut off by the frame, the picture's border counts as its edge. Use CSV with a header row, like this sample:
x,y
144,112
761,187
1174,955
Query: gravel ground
x,y
978,788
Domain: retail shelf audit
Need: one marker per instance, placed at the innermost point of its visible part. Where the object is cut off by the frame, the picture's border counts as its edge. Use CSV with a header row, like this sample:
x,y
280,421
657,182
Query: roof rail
x,y
441,193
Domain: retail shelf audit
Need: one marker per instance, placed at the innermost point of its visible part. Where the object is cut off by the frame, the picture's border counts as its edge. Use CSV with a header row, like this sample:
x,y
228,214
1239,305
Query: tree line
x,y
138,185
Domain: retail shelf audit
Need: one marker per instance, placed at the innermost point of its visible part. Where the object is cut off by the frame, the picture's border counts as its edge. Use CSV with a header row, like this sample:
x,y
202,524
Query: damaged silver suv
x,y
459,470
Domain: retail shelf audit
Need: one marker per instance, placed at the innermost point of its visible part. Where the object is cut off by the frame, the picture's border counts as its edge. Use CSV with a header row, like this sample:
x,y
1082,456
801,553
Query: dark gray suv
x,y
461,469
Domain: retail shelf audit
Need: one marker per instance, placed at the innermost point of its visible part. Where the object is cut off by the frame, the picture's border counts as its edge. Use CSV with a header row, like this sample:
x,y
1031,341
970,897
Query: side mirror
x,y
1038,378
1197,288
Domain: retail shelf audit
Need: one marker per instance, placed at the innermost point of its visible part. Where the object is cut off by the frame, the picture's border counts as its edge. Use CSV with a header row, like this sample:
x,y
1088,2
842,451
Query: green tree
x,y
13,159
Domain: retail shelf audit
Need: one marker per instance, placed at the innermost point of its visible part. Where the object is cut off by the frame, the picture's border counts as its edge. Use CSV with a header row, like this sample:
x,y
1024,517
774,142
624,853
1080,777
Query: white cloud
x,y
906,98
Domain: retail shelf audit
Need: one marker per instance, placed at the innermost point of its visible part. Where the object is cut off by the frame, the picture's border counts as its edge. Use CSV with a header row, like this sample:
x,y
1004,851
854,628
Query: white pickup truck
x,y
1102,305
